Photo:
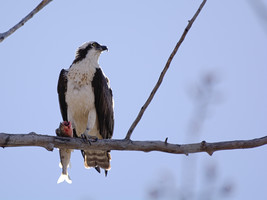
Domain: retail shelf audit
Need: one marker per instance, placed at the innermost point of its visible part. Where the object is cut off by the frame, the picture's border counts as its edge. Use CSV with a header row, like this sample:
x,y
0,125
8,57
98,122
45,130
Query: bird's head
x,y
90,51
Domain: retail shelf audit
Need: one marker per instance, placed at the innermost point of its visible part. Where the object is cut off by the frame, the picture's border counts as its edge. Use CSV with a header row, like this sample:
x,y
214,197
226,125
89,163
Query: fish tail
x,y
64,177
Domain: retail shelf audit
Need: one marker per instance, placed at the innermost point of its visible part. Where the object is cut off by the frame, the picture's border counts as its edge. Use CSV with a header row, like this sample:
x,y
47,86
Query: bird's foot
x,y
88,138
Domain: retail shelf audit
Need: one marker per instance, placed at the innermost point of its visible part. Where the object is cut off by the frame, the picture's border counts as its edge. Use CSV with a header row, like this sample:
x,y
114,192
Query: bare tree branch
x,y
51,142
152,94
24,20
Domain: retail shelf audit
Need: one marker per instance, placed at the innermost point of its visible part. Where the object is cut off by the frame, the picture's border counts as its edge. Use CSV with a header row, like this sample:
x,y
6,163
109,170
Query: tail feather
x,y
96,159
97,169
64,177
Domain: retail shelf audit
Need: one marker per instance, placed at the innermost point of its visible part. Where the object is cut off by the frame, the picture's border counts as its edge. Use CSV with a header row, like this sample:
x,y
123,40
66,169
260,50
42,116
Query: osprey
x,y
85,99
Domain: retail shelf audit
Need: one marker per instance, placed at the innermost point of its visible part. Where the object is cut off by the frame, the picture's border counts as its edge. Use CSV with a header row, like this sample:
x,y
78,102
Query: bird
x,y
86,100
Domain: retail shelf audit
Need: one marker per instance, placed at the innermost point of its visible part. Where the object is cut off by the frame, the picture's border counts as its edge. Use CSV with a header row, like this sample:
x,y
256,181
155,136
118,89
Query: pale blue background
x,y
229,38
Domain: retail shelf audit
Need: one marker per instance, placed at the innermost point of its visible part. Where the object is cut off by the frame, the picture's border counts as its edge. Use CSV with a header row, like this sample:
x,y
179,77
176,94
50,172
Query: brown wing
x,y
103,104
61,90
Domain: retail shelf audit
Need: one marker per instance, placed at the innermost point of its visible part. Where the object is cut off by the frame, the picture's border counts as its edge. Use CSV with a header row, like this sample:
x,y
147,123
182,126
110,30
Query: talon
x,y
89,138
85,138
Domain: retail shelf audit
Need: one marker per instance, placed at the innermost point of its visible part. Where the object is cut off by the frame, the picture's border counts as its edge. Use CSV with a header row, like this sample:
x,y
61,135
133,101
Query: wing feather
x,y
104,104
61,90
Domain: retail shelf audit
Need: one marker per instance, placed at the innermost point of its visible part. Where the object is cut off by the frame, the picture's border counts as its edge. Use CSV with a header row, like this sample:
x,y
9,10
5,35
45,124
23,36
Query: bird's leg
x,y
89,134
88,138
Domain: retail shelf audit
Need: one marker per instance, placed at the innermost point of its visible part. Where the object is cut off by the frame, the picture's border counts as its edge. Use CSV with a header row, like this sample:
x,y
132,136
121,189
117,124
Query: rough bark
x,y
24,20
51,142
156,87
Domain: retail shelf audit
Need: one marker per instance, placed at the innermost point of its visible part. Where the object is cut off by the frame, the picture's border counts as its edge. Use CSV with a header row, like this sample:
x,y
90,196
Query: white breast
x,y
80,96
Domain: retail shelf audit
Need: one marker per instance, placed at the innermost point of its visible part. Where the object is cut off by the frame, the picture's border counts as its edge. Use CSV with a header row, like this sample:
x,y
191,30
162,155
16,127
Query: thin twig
x,y
24,20
152,94
51,142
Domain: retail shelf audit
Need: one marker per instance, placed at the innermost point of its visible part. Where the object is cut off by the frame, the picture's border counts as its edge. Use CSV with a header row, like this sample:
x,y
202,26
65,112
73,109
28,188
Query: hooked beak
x,y
103,48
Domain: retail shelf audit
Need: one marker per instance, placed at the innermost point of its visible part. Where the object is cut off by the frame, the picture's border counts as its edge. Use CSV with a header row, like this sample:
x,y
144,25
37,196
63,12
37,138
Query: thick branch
x,y
152,94
50,142
24,20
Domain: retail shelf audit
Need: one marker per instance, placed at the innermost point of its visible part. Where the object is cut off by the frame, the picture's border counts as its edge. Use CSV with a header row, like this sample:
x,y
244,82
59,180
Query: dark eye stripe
x,y
81,54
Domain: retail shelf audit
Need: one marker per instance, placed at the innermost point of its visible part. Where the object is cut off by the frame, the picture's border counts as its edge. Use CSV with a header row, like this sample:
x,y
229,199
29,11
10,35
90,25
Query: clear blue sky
x,y
229,38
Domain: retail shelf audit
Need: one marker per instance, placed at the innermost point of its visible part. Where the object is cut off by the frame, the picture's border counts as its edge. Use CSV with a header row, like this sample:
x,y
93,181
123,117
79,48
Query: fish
x,y
64,130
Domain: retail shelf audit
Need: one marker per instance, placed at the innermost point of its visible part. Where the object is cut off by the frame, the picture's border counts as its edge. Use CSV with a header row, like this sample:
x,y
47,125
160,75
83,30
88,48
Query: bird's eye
x,y
94,44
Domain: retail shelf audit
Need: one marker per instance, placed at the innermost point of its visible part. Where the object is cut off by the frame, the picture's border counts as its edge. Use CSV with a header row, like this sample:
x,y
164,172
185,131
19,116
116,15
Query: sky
x,y
227,42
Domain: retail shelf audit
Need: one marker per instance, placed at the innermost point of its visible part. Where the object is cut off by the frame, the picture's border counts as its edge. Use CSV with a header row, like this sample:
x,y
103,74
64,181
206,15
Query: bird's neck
x,y
86,64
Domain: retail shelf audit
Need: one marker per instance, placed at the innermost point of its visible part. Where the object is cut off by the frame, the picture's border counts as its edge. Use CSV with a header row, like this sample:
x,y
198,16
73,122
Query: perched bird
x,y
86,100
64,130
